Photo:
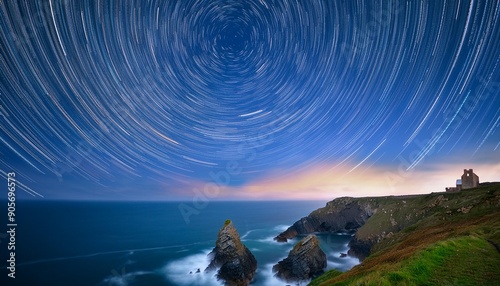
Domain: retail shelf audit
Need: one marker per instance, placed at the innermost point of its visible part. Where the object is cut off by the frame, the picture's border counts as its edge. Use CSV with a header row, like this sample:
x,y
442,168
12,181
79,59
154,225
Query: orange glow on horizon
x,y
324,182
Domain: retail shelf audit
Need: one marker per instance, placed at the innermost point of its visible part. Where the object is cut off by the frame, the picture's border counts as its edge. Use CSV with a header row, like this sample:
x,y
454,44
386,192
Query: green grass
x,y
325,277
457,261
438,245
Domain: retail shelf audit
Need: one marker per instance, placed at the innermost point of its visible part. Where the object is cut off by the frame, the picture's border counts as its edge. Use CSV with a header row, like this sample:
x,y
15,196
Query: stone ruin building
x,y
469,180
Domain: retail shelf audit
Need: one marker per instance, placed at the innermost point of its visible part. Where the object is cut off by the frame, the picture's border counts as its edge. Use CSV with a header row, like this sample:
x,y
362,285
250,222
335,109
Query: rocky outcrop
x,y
305,261
360,248
235,262
344,214
388,215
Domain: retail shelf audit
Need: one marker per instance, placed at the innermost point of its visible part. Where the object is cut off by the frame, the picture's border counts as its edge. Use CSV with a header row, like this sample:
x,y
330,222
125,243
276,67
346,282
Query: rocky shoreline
x,y
342,215
388,217
236,265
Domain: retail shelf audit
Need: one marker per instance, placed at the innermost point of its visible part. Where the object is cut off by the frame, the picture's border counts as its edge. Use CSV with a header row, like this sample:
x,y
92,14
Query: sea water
x,y
149,243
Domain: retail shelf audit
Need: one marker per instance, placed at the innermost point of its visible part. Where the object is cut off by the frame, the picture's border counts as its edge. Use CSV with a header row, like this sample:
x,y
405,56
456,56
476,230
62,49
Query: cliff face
x,y
235,262
378,221
386,215
455,235
340,215
305,261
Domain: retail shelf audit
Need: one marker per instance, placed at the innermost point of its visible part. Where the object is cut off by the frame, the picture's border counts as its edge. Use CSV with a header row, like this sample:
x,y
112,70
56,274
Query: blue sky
x,y
156,100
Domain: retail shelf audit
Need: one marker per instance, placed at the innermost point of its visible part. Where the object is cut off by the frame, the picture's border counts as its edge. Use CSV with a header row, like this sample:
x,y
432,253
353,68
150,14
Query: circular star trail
x,y
174,90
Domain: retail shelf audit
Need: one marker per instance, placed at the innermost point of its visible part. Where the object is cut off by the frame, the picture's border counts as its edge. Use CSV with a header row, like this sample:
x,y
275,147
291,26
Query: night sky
x,y
173,100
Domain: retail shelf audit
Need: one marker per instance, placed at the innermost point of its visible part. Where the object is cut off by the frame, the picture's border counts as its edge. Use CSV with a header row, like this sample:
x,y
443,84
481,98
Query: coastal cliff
x,y
431,239
375,220
344,214
235,262
305,261
348,215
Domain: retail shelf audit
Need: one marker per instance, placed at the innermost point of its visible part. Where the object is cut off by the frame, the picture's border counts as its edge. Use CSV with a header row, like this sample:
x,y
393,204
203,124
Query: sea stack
x,y
235,262
305,261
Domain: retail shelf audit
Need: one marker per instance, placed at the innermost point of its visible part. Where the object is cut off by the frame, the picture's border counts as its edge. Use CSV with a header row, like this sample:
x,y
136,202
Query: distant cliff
x,y
340,215
235,262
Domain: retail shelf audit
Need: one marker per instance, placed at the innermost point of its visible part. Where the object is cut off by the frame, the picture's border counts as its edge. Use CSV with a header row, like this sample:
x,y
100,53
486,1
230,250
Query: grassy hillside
x,y
435,239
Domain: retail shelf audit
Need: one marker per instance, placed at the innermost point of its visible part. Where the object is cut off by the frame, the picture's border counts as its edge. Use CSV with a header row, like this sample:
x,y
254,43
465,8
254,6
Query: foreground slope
x,y
435,239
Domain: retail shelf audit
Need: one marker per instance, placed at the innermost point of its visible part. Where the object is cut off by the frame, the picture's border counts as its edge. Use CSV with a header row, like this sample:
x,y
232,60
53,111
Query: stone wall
x,y
469,179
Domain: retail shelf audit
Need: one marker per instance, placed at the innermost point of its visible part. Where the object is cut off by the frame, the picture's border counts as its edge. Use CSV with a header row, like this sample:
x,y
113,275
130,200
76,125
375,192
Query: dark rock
x,y
235,262
360,248
344,215
280,238
305,261
343,254
340,215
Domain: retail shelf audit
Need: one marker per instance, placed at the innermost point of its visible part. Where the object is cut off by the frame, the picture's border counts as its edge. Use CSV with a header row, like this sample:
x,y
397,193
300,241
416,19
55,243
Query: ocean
x,y
149,243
